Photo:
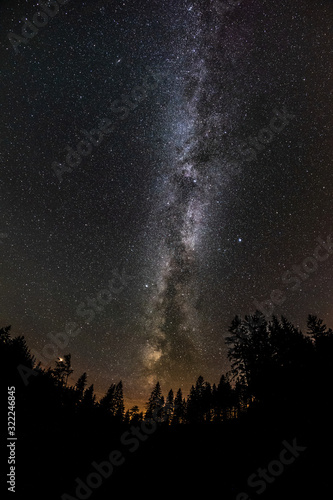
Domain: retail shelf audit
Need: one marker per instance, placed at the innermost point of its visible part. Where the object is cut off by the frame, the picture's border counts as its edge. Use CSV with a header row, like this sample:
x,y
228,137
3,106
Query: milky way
x,y
195,168
172,197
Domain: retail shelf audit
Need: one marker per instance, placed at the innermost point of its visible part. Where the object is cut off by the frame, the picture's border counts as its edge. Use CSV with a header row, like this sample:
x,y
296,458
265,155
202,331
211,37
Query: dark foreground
x,y
68,446
184,460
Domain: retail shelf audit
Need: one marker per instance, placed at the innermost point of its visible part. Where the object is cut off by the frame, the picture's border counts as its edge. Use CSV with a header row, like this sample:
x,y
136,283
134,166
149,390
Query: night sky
x,y
212,179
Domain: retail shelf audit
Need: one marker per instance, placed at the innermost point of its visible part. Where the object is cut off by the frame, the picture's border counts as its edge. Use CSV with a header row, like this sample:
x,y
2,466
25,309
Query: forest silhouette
x,y
279,388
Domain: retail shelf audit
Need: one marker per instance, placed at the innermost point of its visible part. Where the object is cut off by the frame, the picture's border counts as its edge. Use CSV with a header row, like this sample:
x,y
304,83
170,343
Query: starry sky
x,y
211,180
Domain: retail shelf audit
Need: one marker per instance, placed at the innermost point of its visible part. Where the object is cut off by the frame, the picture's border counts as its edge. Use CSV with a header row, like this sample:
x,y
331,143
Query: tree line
x,y
273,365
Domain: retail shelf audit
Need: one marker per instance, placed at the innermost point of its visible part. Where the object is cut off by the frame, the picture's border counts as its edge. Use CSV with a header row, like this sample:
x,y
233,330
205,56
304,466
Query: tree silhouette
x,y
155,402
320,334
278,375
79,388
250,351
179,408
107,402
273,364
127,418
199,402
322,340
113,401
63,369
81,384
17,364
169,407
223,399
5,335
89,399
119,408
136,415
269,360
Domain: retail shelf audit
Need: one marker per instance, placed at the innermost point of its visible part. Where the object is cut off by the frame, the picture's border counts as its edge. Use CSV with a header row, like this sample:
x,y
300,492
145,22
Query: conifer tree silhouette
x,y
119,408
222,397
169,407
134,413
179,408
89,398
107,402
81,384
63,369
155,402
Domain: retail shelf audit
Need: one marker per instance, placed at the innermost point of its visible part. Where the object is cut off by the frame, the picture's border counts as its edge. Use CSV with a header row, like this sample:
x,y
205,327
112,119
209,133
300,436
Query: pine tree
x,y
89,398
222,397
119,408
134,415
207,402
316,327
80,385
68,367
16,361
155,402
63,369
107,402
169,407
322,341
198,403
178,413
